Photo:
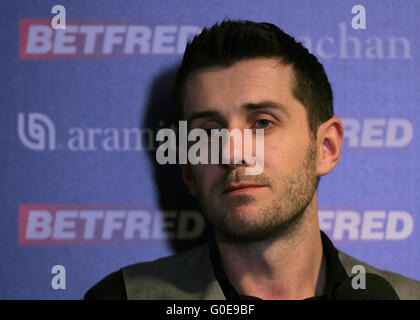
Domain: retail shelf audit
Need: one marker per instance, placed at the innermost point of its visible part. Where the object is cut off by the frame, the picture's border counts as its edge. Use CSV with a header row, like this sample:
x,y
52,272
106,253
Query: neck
x,y
290,266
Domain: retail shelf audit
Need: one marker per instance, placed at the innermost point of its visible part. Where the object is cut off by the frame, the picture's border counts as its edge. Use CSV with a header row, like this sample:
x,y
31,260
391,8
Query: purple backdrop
x,y
79,107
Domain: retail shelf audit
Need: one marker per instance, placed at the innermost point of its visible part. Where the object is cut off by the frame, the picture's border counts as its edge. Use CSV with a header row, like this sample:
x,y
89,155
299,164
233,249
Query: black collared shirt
x,y
335,272
112,287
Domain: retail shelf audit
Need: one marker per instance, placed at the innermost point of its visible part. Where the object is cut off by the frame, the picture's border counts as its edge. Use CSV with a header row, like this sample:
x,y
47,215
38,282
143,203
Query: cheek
x,y
205,175
276,151
283,153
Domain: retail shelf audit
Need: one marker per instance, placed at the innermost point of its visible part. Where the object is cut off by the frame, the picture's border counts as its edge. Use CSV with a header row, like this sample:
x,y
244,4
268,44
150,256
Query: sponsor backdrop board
x,y
81,191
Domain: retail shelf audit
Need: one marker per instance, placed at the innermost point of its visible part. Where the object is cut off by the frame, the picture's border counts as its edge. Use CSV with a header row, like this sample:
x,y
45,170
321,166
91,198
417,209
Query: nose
x,y
232,149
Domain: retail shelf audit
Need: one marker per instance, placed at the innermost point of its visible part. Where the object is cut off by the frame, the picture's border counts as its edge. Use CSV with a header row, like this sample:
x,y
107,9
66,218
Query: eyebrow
x,y
267,104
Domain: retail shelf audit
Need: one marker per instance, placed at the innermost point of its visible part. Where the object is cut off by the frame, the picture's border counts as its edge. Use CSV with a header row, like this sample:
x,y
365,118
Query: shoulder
x,y
180,275
109,288
406,288
186,275
178,263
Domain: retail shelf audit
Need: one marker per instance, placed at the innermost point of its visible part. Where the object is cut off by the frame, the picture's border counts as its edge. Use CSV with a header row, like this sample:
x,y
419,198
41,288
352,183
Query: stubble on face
x,y
293,192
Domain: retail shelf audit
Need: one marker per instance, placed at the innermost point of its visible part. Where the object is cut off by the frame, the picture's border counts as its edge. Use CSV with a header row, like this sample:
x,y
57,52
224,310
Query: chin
x,y
245,215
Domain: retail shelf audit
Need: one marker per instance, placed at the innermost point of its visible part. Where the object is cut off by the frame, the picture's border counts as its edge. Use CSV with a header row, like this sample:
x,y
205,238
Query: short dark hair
x,y
234,40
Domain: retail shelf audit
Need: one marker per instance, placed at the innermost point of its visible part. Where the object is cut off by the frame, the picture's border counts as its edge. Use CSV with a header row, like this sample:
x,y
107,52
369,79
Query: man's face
x,y
288,182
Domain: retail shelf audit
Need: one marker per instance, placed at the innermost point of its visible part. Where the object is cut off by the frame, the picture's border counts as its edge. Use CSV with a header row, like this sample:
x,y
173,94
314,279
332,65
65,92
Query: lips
x,y
241,186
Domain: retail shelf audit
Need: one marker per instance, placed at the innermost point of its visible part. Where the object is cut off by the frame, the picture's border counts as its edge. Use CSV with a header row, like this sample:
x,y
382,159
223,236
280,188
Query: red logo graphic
x,y
67,224
100,39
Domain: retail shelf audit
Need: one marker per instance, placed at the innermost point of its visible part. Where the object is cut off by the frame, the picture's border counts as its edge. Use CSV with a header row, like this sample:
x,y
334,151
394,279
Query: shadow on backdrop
x,y
172,192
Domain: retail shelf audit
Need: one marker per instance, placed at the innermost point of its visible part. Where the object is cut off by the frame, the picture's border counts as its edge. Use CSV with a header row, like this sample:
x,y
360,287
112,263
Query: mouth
x,y
241,188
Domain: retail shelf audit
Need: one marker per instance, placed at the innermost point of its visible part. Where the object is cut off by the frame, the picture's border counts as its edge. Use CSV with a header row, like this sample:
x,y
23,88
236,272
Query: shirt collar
x,y
334,269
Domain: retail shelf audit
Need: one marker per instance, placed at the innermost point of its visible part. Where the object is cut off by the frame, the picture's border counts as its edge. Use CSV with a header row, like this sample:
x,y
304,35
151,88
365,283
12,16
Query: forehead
x,y
248,81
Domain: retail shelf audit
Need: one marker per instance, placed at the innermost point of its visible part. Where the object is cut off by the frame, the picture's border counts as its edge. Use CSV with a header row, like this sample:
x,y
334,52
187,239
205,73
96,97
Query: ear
x,y
189,179
329,141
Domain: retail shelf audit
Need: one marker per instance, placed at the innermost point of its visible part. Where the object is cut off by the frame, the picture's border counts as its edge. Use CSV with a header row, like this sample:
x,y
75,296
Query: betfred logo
x,y
58,224
100,39
377,132
366,225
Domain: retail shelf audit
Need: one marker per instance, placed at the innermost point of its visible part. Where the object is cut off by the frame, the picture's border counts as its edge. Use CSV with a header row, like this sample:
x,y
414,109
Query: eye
x,y
263,124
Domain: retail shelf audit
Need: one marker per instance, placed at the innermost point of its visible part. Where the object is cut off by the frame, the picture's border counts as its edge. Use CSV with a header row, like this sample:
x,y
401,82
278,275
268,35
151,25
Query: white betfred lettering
x,y
127,225
325,220
91,33
377,132
64,38
114,35
138,225
395,126
91,218
112,225
38,225
164,40
185,33
373,133
351,131
39,39
405,219
112,222
346,222
371,225
65,220
138,37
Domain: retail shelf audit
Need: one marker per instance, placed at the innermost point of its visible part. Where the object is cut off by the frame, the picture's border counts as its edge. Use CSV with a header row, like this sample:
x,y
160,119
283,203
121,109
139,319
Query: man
x,y
267,242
